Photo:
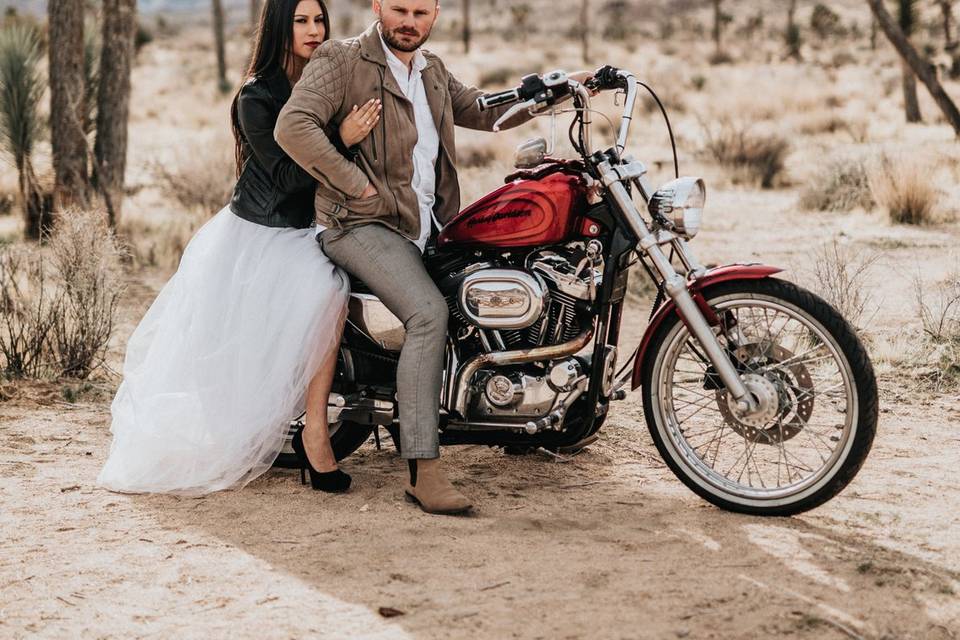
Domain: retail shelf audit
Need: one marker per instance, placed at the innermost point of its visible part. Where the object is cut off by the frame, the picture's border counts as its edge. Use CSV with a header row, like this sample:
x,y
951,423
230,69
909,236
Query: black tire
x,y
844,342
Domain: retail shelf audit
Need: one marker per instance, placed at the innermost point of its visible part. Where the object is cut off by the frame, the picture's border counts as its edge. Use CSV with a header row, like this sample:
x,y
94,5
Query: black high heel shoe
x,y
335,481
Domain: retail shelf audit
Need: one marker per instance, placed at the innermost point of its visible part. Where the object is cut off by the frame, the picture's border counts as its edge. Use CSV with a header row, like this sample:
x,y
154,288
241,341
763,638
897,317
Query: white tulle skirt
x,y
220,363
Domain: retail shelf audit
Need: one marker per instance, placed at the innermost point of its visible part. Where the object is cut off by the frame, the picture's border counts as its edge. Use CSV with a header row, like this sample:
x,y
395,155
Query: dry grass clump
x,y
200,180
58,303
842,186
905,189
160,243
753,157
939,312
841,275
476,156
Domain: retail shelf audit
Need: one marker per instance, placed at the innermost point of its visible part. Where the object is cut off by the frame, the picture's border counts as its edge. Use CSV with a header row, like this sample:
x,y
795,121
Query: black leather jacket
x,y
272,189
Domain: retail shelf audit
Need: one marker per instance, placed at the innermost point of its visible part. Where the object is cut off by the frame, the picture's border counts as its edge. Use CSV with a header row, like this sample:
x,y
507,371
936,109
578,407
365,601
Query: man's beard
x,y
392,38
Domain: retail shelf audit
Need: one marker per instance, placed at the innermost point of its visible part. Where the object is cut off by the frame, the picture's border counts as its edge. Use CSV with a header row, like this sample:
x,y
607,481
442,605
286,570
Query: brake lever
x,y
512,111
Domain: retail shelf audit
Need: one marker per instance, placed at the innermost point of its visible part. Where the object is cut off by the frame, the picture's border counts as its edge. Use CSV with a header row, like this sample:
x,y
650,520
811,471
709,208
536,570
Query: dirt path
x,y
607,545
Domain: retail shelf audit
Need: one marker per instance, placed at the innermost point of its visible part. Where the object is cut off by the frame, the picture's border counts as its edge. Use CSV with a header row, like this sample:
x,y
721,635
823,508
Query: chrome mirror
x,y
530,154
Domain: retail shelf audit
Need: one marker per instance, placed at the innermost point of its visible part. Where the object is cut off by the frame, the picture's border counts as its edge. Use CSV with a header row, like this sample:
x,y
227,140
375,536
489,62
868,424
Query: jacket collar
x,y
278,85
371,47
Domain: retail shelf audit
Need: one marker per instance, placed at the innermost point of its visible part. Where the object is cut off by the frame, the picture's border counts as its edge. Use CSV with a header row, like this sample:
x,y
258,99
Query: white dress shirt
x,y
427,148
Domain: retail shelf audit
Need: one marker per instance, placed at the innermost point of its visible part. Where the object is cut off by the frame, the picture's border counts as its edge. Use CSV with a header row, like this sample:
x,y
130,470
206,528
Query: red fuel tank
x,y
522,213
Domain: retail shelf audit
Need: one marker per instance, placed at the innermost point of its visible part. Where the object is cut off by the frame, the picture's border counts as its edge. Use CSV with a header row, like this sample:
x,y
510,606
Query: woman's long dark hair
x,y
272,52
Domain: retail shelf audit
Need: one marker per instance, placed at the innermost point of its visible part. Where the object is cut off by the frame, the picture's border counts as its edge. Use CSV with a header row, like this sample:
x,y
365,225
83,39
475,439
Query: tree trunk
x,y
911,104
717,27
37,219
219,46
113,102
874,31
585,29
792,34
919,66
466,26
946,6
67,108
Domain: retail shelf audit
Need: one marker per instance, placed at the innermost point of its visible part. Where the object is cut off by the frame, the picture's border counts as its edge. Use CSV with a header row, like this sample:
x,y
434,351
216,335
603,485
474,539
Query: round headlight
x,y
681,203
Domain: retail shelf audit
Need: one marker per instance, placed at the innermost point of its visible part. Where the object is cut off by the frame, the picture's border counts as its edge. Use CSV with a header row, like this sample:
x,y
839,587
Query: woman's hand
x,y
361,121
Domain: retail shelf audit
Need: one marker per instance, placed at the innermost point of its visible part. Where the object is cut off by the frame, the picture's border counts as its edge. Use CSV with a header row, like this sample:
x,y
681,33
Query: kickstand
x,y
556,456
376,436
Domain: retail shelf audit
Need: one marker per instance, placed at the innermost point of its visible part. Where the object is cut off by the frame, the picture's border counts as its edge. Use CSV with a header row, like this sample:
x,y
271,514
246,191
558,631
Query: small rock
x,y
365,508
390,612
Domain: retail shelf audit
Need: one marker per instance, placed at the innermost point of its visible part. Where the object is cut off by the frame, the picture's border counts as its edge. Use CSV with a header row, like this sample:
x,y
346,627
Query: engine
x,y
537,303
520,302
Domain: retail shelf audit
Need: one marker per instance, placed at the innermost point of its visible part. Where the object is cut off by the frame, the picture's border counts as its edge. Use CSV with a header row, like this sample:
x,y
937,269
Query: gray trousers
x,y
392,267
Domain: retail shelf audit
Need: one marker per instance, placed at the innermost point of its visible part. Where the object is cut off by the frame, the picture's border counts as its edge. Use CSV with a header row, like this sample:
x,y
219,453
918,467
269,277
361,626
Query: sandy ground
x,y
606,544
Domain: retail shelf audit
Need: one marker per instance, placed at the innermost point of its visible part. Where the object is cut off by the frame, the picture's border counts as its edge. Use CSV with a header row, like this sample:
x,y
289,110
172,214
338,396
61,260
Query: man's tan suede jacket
x,y
345,73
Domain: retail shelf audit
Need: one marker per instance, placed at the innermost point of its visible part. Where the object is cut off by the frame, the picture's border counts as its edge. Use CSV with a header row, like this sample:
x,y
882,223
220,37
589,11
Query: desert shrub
x,y
498,77
479,156
843,185
825,22
939,313
159,243
905,189
823,122
720,57
753,157
841,274
199,181
28,310
619,25
58,304
86,258
142,37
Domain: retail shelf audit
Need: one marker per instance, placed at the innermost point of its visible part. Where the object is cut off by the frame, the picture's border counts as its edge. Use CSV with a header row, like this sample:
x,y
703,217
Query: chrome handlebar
x,y
614,78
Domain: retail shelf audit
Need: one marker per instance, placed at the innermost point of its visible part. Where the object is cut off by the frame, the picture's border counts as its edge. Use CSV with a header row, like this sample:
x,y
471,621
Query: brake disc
x,y
785,395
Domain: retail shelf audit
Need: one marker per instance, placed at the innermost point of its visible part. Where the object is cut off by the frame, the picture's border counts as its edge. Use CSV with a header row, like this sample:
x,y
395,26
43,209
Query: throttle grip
x,y
492,100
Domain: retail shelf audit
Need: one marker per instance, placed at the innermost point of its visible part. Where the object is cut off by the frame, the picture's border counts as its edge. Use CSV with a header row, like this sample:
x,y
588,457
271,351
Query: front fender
x,y
714,276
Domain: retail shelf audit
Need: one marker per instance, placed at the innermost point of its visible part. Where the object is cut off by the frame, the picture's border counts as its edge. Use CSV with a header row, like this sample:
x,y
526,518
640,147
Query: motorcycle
x,y
758,394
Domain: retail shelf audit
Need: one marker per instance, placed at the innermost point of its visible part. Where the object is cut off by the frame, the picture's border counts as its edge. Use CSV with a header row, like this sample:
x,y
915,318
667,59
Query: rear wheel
x,y
816,392
345,436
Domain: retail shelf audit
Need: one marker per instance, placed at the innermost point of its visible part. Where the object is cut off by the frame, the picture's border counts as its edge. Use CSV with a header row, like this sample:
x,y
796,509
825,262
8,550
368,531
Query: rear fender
x,y
714,276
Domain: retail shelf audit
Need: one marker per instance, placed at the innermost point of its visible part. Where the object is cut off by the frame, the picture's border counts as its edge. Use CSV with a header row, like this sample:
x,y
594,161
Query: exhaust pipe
x,y
502,358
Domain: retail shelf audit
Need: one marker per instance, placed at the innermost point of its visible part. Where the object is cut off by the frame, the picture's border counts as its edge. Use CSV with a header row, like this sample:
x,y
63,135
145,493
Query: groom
x,y
374,216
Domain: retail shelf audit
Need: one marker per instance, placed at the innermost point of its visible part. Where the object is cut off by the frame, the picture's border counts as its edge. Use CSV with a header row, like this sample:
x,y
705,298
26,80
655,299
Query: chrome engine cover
x,y
511,397
501,298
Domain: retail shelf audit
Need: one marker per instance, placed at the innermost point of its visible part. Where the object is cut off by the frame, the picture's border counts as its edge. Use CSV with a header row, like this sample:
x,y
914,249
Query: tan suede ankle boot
x,y
430,488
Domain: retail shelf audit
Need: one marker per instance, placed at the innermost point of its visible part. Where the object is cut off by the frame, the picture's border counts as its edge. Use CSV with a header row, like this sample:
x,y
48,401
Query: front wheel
x,y
817,407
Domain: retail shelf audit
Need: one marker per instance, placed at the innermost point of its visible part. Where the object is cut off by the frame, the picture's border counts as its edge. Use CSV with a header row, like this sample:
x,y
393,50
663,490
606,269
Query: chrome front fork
x,y
675,285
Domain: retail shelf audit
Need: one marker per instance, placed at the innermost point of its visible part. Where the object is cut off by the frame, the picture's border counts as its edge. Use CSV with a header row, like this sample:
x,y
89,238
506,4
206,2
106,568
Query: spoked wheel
x,y
816,401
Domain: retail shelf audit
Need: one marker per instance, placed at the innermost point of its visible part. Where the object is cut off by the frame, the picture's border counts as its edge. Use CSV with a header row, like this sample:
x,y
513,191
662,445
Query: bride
x,y
246,332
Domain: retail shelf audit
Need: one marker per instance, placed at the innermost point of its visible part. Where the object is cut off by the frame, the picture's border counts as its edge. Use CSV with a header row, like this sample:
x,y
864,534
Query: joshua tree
x,y
585,29
908,22
920,67
219,45
717,28
950,41
68,112
113,102
91,78
792,34
466,26
21,88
